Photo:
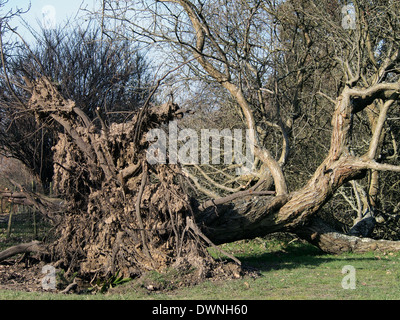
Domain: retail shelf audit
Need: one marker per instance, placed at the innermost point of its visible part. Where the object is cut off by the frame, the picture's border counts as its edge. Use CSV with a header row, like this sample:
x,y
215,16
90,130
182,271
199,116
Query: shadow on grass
x,y
297,255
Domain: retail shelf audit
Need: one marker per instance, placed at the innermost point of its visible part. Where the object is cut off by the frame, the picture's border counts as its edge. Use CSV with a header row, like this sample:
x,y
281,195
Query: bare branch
x,y
379,127
371,164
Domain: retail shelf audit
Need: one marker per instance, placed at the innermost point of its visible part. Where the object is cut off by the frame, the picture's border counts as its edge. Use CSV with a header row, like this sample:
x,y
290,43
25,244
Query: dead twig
x,y
196,230
72,286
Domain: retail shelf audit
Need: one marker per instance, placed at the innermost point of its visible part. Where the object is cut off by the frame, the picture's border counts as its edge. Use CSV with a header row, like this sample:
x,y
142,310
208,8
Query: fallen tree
x,y
125,214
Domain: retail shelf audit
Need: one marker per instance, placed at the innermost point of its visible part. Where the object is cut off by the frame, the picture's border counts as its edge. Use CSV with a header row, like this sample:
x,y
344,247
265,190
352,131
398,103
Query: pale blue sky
x,y
63,10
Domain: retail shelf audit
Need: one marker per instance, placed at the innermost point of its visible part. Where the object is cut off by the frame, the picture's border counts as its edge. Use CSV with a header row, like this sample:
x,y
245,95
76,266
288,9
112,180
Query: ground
x,y
21,276
18,273
281,269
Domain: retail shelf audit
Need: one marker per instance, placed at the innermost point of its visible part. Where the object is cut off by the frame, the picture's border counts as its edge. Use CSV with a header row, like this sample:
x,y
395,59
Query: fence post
x,y
34,224
10,220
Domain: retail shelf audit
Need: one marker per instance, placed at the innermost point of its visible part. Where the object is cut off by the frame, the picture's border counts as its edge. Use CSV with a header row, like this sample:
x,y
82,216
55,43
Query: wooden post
x,y
34,224
10,220
34,212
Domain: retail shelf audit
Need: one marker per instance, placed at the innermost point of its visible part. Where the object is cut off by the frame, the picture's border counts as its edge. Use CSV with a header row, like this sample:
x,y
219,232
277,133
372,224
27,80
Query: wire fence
x,y
20,223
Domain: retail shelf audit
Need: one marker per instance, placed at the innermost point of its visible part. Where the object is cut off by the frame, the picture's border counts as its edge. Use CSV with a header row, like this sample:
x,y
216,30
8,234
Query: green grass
x,y
287,271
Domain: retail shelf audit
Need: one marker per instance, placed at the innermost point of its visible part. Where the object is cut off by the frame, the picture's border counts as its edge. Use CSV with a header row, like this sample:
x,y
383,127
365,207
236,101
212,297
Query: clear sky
x,y
48,12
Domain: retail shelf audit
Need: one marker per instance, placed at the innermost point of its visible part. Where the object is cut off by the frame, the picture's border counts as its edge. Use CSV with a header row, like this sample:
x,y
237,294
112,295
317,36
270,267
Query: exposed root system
x,y
123,215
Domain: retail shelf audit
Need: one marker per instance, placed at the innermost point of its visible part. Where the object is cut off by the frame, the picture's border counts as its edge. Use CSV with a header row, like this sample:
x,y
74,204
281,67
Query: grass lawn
x,y
292,270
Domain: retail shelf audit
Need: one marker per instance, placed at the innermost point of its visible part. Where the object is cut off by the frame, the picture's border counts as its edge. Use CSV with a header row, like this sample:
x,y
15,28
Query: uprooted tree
x,y
123,213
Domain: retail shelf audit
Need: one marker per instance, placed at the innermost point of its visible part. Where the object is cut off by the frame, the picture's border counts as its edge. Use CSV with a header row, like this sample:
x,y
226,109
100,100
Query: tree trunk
x,y
288,211
258,216
329,240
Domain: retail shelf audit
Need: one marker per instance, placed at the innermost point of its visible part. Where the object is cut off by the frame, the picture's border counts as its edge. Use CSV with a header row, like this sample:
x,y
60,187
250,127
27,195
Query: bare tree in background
x,y
107,79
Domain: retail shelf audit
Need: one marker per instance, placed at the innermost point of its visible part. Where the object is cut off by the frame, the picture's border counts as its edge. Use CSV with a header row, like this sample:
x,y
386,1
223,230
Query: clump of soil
x,y
122,214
